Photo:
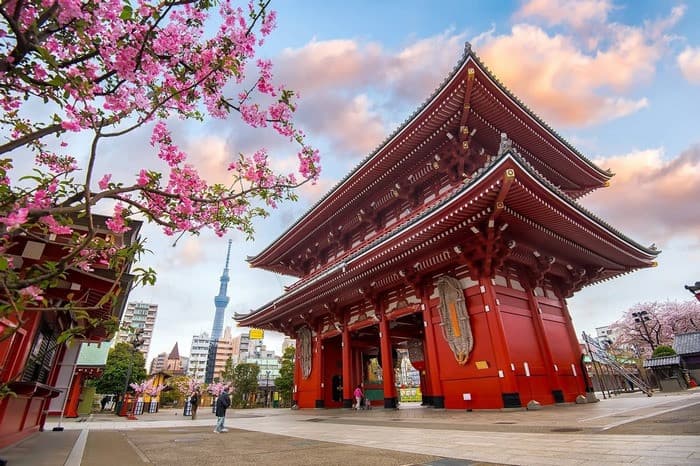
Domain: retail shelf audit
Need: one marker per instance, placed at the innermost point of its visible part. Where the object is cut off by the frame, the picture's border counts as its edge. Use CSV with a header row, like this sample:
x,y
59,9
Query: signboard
x,y
256,334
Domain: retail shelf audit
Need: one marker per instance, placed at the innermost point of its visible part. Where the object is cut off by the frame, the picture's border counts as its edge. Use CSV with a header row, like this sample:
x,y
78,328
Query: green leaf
x,y
127,13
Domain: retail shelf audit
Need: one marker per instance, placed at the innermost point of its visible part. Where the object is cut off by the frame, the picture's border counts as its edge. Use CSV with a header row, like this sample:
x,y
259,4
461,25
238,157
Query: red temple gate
x,y
459,239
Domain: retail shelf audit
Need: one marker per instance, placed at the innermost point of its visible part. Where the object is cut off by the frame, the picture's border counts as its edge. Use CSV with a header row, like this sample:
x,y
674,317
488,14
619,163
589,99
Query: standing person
x,y
103,402
194,403
222,404
358,396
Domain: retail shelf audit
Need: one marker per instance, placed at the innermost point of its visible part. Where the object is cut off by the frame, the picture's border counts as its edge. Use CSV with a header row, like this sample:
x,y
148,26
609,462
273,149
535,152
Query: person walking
x,y
222,404
103,402
358,396
194,403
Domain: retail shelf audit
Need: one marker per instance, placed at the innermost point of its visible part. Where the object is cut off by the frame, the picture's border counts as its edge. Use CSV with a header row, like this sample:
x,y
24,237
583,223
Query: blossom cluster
x,y
104,68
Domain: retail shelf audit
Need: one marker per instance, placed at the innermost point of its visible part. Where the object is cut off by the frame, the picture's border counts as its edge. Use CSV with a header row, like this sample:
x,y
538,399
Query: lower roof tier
x,y
506,216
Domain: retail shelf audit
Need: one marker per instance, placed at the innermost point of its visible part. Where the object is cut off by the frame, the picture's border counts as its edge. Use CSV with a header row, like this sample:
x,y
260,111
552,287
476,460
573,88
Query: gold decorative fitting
x,y
654,264
465,145
606,184
510,173
467,107
470,73
499,205
464,129
394,193
436,165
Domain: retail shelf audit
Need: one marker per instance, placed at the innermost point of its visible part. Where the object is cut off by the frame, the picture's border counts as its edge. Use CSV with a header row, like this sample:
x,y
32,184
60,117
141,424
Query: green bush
x,y
663,350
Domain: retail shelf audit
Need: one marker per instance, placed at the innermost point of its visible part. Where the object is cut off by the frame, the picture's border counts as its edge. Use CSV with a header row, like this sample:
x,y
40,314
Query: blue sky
x,y
619,80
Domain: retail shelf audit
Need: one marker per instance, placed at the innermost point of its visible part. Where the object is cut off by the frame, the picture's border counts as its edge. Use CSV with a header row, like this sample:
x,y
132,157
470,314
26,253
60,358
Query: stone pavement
x,y
663,429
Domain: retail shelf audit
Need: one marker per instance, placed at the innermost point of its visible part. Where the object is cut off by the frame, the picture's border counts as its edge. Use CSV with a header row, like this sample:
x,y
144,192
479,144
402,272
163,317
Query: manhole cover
x,y
315,419
566,429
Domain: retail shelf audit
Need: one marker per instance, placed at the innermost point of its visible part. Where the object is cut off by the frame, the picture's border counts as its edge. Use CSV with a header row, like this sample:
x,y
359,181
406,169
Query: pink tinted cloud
x,y
351,123
572,79
665,193
689,63
575,13
343,84
556,78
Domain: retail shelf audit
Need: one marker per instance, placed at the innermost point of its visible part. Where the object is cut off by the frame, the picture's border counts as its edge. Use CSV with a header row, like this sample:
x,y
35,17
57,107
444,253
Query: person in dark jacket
x,y
222,404
194,403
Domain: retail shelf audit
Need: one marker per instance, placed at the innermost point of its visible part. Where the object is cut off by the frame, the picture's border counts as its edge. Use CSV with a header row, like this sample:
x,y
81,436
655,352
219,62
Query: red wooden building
x,y
460,239
33,363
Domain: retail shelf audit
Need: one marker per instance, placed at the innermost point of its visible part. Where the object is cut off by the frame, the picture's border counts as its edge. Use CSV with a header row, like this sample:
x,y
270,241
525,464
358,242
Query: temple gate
x,y
459,239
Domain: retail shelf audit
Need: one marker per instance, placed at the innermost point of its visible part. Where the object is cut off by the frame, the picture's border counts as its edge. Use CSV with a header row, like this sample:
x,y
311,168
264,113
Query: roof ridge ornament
x,y
467,47
505,145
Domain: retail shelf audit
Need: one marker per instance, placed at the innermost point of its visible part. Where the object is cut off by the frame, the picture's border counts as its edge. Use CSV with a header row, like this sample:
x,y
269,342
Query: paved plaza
x,y
632,428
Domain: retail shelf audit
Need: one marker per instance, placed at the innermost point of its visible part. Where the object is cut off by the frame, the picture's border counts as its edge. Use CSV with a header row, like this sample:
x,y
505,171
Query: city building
x,y
459,238
220,302
287,343
158,363
240,346
199,351
173,364
604,335
138,315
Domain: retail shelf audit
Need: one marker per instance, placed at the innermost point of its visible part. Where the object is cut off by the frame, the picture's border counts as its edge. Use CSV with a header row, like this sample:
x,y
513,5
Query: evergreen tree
x,y
228,374
245,381
113,380
285,382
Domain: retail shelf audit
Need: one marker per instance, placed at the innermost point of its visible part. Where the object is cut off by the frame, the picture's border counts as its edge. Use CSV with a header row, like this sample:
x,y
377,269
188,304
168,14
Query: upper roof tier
x,y
455,132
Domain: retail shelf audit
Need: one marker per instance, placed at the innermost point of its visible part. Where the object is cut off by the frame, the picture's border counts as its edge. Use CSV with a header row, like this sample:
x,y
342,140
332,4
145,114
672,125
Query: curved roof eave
x,y
486,171
466,56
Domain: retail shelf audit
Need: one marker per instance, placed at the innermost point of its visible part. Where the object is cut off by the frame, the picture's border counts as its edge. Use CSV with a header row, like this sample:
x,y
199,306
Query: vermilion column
x,y
318,370
432,367
509,385
347,365
545,349
390,400
575,347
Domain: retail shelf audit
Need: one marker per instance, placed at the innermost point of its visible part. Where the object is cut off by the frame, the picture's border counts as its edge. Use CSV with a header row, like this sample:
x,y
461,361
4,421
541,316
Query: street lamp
x,y
695,289
642,317
267,389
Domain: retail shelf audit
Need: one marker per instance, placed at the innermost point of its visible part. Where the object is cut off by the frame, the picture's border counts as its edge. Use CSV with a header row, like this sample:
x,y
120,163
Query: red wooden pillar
x,y
509,384
435,396
545,349
317,370
347,365
576,368
74,395
390,399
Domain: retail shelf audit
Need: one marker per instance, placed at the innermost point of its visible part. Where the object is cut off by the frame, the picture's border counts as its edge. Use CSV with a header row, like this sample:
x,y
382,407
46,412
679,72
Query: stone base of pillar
x,y
347,403
511,400
558,396
439,402
320,404
426,400
391,403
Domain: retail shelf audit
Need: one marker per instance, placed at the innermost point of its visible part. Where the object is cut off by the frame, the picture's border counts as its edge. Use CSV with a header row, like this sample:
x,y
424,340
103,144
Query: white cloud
x,y
689,63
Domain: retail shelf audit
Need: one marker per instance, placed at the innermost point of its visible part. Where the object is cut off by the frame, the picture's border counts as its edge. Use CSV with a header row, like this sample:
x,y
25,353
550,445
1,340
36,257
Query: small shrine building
x,y
459,239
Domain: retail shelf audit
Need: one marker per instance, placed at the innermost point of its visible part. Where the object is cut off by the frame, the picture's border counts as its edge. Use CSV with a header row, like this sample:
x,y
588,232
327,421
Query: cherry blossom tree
x,y
648,325
92,71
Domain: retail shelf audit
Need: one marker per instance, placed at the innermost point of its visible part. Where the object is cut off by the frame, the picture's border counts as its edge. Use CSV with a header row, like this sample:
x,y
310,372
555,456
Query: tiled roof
x,y
663,361
687,343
